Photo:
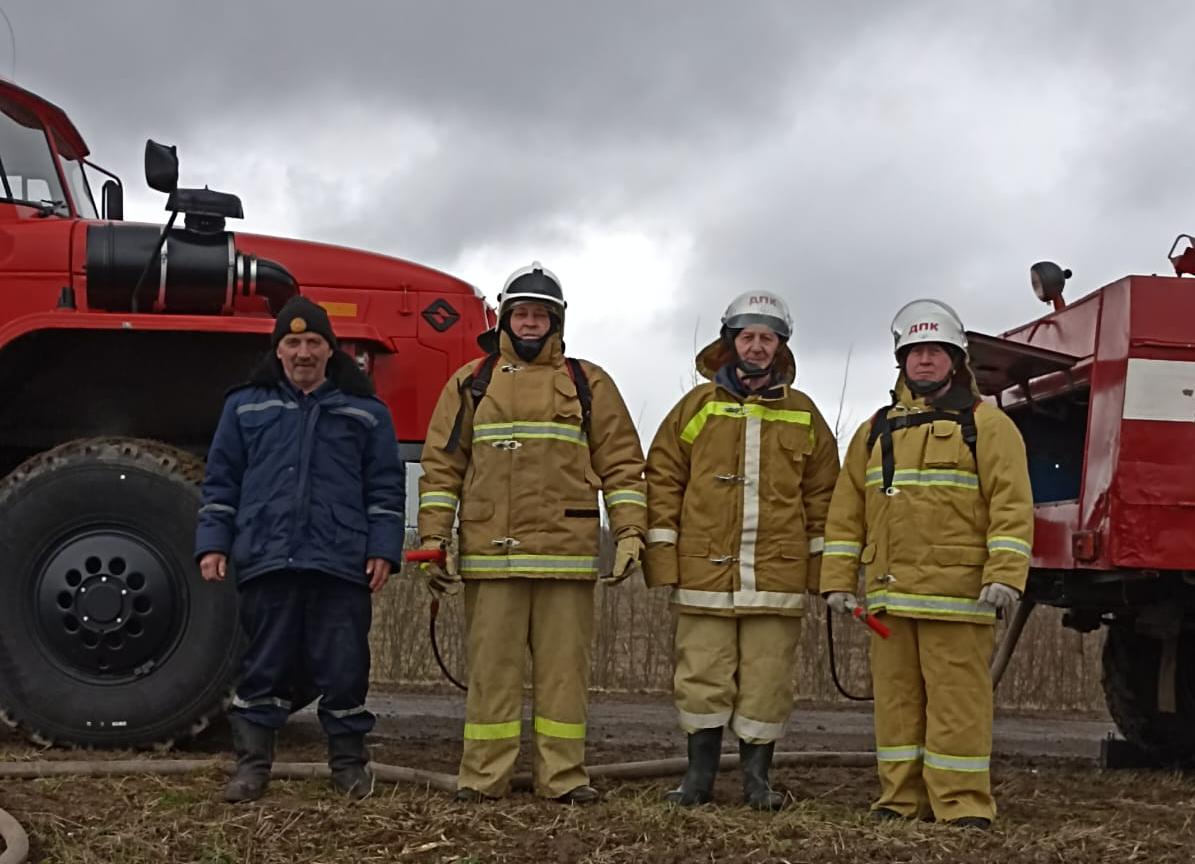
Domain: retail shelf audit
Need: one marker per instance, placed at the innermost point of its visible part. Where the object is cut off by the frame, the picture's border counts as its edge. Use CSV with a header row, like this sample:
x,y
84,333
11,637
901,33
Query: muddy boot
x,y
254,746
755,760
347,758
705,751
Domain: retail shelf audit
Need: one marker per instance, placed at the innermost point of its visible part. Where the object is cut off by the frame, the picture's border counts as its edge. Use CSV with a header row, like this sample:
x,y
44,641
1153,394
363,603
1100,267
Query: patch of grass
x,y
1049,814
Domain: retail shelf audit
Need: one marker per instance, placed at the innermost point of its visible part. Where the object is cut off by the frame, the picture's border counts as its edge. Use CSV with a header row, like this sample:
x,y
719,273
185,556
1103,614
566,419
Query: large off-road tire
x,y
108,636
1131,662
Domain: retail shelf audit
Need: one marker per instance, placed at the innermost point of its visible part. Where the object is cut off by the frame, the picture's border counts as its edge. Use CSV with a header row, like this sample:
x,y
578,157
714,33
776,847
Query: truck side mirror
x,y
112,200
161,166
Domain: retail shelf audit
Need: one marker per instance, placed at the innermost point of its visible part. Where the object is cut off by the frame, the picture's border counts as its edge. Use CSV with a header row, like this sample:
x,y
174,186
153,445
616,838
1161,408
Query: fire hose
x,y
434,556
1003,654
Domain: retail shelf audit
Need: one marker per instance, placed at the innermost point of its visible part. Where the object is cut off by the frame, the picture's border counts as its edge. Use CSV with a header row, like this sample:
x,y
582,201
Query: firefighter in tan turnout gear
x,y
521,443
934,502
739,479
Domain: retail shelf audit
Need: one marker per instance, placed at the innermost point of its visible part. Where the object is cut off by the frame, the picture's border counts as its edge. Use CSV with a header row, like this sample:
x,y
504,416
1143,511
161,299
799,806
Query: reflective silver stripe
x,y
738,599
894,602
750,530
661,535
356,413
382,511
1010,544
703,599
267,701
901,753
842,549
925,477
529,430
217,508
816,545
344,712
745,727
689,720
264,406
447,500
573,564
625,496
966,764
769,599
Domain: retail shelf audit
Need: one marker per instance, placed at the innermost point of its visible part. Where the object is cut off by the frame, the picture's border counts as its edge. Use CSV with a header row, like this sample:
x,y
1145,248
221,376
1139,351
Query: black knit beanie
x,y
300,315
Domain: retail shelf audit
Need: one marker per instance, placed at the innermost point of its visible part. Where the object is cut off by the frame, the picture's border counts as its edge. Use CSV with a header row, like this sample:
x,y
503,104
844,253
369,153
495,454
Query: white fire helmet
x,y
928,321
532,283
759,307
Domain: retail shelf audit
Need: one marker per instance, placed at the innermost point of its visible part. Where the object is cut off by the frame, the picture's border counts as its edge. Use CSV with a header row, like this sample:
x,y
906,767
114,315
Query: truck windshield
x,y
26,163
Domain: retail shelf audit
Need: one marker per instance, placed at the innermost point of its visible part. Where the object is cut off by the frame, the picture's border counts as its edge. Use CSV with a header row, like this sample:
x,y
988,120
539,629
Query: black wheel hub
x,y
106,604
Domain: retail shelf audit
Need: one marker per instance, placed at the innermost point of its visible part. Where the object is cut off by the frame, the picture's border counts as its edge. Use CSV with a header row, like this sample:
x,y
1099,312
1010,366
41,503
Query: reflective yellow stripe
x,y
626,496
571,564
492,731
556,729
896,602
741,411
966,764
428,500
925,477
529,430
1010,544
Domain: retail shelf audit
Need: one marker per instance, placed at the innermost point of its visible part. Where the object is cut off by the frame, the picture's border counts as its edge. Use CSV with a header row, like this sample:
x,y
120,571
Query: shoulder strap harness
x,y
882,427
478,382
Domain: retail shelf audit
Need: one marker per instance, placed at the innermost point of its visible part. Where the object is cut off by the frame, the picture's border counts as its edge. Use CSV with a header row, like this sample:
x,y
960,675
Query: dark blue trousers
x,y
305,624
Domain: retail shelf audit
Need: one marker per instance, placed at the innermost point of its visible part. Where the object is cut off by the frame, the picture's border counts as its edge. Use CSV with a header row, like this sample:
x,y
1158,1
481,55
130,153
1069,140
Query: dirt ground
x,y
1055,803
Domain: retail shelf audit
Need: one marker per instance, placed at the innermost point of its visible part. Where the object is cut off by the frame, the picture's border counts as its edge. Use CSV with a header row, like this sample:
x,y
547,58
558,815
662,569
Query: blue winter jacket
x,y
303,481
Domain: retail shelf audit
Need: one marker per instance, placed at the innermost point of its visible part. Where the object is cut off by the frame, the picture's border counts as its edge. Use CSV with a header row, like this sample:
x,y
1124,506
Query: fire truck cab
x,y
117,344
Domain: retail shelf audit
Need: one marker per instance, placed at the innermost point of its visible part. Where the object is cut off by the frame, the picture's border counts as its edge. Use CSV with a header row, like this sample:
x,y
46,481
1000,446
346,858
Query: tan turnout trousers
x,y
736,671
933,718
506,617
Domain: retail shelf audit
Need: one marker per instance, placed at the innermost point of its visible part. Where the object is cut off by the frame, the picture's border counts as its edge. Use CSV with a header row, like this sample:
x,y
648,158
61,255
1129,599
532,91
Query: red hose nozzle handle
x,y
434,556
877,626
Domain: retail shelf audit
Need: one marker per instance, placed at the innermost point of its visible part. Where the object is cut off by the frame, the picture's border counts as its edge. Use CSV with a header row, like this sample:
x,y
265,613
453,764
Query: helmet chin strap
x,y
925,388
750,370
528,349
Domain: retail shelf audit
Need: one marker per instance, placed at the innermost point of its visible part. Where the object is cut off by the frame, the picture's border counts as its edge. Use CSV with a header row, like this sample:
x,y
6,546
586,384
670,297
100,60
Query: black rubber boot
x,y
705,751
584,794
254,746
755,760
347,758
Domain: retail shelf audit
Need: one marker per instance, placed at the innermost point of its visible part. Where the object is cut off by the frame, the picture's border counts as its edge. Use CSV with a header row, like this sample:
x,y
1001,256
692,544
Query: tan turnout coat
x,y
738,490
952,524
525,478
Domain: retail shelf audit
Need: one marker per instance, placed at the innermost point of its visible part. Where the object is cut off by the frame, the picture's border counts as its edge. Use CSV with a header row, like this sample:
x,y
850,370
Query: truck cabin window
x,y
26,162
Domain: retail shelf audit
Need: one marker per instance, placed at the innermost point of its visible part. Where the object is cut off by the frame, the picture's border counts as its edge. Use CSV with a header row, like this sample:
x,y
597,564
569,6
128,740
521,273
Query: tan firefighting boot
x,y
755,760
347,758
705,752
254,746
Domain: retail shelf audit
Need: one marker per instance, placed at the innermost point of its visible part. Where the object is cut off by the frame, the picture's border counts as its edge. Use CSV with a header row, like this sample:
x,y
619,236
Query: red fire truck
x,y
117,343
1103,390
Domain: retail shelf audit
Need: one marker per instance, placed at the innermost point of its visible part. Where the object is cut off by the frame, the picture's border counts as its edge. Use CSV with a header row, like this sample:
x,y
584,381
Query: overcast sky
x,y
662,157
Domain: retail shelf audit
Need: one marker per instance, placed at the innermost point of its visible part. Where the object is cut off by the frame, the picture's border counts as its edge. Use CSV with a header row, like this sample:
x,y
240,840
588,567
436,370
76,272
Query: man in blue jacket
x,y
305,492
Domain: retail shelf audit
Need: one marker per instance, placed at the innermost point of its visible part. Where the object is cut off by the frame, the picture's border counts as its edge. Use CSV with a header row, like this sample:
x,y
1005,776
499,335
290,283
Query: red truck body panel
x,y
1134,341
